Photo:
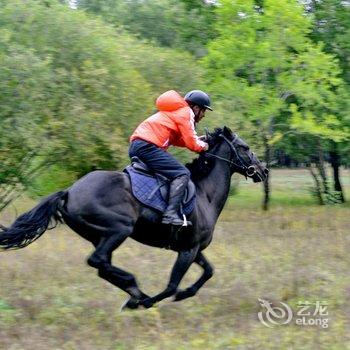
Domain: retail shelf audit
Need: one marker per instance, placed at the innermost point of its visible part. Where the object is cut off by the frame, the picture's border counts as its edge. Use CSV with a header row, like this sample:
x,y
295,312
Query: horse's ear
x,y
227,131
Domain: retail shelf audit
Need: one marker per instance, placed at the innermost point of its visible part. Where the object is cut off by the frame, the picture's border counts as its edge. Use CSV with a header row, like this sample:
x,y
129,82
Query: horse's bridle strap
x,y
230,161
224,159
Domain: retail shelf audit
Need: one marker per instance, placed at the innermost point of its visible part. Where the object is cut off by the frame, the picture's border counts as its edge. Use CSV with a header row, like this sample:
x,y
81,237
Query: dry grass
x,y
50,299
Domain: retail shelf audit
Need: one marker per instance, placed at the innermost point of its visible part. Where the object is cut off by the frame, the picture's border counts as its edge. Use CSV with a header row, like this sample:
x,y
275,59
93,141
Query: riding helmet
x,y
199,98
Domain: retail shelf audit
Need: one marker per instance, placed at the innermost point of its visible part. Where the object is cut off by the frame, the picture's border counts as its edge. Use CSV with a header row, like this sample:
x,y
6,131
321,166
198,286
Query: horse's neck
x,y
215,187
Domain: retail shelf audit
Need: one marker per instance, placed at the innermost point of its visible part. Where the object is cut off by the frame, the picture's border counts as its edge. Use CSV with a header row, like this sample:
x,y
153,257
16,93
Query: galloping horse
x,y
101,208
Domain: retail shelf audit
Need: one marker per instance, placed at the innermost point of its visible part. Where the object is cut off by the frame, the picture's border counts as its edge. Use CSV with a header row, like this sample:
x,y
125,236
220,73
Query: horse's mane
x,y
201,166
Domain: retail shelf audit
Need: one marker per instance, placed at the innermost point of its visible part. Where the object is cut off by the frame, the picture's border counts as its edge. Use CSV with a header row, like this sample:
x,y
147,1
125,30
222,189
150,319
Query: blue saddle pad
x,y
147,189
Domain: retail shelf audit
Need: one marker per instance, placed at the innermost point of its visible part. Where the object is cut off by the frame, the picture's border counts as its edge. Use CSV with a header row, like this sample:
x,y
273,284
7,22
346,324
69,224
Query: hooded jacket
x,y
172,125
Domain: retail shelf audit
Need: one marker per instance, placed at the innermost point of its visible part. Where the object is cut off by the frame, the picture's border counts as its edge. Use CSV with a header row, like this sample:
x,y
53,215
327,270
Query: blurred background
x,y
76,78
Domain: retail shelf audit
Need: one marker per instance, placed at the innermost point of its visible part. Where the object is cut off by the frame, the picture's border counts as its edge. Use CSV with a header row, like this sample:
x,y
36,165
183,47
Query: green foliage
x,y
24,78
185,25
84,88
332,28
51,180
267,69
281,84
164,68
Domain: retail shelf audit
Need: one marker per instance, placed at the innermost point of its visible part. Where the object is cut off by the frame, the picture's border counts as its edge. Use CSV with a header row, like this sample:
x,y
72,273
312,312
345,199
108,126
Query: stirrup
x,y
185,222
172,221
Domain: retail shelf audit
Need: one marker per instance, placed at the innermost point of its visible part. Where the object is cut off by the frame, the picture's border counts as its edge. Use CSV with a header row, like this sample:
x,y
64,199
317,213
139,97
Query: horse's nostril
x,y
266,171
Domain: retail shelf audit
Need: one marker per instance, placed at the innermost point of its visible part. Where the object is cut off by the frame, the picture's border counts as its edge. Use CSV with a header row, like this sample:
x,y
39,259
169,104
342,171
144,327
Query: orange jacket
x,y
172,125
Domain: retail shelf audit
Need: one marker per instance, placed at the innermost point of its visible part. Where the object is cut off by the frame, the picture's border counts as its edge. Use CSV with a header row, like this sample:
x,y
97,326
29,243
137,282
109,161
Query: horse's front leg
x,y
182,264
208,272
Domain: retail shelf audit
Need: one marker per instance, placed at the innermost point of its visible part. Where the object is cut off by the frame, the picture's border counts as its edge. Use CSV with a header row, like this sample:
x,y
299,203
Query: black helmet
x,y
199,98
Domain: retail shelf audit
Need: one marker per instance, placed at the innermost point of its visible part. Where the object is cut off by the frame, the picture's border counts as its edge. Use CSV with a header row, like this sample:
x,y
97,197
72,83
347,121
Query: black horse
x,y
101,208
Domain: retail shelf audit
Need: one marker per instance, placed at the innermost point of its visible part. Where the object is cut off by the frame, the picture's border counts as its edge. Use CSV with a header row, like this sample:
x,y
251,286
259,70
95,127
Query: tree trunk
x,y
335,162
318,189
322,170
267,188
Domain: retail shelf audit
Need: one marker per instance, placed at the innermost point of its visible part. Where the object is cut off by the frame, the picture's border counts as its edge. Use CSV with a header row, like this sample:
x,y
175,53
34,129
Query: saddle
x,y
152,189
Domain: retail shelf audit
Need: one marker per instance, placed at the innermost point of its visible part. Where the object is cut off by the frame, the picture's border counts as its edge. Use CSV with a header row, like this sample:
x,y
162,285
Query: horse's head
x,y
229,147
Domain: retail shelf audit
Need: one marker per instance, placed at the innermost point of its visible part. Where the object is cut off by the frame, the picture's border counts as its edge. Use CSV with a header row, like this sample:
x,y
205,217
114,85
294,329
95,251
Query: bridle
x,y
248,170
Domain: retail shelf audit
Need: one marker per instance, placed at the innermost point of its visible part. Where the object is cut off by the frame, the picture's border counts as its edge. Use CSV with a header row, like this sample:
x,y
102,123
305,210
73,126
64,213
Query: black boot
x,y
176,194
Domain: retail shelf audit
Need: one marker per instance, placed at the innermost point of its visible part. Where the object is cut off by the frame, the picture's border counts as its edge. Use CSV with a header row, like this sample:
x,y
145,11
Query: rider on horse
x,y
173,124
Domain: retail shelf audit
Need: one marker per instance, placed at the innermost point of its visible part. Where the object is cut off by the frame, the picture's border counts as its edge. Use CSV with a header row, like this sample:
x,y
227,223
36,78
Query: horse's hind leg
x,y
101,260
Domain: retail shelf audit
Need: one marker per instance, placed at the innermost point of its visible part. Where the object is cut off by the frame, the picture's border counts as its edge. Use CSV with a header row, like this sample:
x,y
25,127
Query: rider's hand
x,y
206,147
202,137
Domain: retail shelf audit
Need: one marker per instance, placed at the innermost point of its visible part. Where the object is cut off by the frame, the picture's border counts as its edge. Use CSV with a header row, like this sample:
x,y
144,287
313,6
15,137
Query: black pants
x,y
157,159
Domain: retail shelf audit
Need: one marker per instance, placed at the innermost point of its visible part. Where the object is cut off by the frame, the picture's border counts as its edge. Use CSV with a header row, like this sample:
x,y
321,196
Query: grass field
x,y
298,251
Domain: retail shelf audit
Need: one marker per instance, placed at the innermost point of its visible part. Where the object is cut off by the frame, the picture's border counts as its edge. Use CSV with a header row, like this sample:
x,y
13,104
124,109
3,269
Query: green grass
x,y
50,298
289,188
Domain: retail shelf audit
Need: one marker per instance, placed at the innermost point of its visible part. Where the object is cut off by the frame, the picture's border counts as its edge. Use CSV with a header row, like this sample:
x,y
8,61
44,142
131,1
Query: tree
x,y
268,70
62,83
23,78
331,26
185,25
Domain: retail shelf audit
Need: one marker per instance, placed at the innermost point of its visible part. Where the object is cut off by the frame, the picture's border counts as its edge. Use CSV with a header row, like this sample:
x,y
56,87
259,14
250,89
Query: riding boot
x,y
176,194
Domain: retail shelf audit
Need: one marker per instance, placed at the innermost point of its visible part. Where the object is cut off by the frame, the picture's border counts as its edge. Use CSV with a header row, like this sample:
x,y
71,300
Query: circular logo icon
x,y
274,315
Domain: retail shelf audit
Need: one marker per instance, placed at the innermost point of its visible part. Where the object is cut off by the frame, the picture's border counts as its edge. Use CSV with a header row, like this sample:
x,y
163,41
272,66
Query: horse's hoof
x,y
147,303
130,304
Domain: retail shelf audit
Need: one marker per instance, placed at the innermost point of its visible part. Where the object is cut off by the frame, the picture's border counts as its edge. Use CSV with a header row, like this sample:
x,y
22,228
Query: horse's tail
x,y
32,224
